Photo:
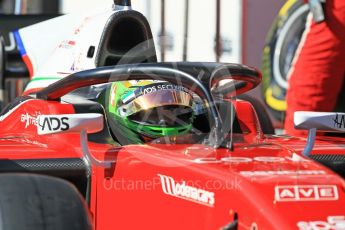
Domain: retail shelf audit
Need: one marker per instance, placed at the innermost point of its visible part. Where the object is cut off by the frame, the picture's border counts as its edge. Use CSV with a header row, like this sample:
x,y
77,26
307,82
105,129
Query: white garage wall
x,y
202,24
70,6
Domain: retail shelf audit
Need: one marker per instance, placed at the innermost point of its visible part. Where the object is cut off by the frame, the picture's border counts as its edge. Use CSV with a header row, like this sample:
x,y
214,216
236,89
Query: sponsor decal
x,y
186,192
332,223
29,119
67,44
25,141
282,172
32,142
112,95
82,25
263,159
306,193
159,87
54,124
78,62
339,121
151,88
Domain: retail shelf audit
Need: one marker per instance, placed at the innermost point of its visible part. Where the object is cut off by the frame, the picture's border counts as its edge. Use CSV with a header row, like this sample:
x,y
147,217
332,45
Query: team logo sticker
x,y
53,124
306,193
29,119
186,192
339,121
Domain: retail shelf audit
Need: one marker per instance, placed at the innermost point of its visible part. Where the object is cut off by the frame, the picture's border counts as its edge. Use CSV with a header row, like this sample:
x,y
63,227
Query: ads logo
x,y
306,193
186,192
49,124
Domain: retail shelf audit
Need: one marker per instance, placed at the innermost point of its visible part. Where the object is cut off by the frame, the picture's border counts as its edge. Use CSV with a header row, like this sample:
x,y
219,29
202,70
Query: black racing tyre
x,y
281,44
38,202
263,116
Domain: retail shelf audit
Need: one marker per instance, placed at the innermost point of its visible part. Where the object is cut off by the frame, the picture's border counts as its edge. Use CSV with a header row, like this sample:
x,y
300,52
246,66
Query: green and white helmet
x,y
151,109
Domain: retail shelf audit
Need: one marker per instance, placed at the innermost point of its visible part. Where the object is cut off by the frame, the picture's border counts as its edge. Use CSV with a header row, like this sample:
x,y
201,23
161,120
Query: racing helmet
x,y
151,109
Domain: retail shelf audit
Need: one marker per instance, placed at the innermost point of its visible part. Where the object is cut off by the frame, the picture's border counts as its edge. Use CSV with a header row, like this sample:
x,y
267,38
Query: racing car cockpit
x,y
151,101
114,114
126,41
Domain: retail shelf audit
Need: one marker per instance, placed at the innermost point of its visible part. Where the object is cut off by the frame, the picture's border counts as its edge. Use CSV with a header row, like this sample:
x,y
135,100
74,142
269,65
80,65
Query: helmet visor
x,y
164,116
154,101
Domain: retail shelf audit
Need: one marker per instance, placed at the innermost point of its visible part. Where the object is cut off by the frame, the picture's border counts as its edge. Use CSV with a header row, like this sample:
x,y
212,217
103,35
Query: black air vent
x,y
328,157
72,169
126,39
335,162
128,33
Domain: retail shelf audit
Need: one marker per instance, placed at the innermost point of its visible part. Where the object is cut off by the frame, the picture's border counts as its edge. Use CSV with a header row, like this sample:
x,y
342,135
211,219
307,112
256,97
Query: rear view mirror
x,y
322,121
75,123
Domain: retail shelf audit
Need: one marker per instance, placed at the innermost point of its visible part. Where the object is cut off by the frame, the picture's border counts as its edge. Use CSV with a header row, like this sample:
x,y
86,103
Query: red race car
x,y
158,145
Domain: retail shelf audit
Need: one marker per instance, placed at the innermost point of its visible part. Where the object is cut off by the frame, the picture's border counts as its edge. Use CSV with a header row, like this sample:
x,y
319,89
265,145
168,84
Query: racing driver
x,y
143,110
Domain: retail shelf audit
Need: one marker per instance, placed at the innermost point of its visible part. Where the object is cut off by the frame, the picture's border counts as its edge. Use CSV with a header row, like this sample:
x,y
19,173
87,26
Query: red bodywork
x,y
264,182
